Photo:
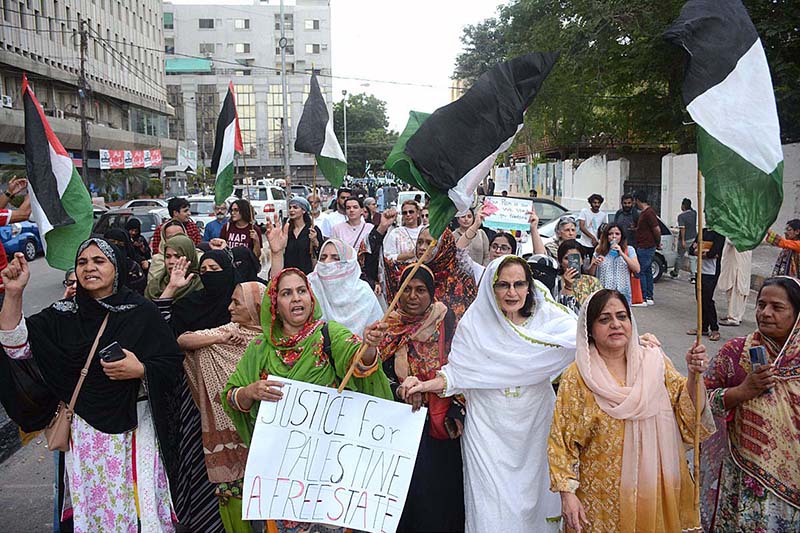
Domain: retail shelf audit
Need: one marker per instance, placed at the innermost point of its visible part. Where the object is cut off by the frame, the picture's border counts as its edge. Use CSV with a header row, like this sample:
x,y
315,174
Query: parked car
x,y
403,196
98,211
301,190
22,237
144,202
202,209
664,257
117,218
267,200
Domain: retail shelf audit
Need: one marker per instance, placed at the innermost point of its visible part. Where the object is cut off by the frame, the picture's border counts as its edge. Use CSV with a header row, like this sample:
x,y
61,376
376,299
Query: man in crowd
x,y
734,279
214,227
687,222
337,214
533,193
589,221
713,244
627,217
178,210
648,239
9,216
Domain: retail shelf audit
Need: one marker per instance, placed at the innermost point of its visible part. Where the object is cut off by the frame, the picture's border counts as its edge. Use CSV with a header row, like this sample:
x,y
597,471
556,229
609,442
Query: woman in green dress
x,y
293,345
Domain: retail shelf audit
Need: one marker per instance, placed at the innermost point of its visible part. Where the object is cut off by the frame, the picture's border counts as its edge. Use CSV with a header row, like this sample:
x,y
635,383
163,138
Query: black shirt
x,y
298,253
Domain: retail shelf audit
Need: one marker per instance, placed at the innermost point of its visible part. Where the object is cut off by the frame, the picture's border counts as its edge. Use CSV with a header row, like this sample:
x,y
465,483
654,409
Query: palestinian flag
x,y
227,141
448,153
61,205
728,93
315,136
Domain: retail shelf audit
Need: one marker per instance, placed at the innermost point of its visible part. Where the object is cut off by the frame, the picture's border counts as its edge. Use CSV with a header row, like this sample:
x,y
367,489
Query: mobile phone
x,y
574,261
112,352
758,356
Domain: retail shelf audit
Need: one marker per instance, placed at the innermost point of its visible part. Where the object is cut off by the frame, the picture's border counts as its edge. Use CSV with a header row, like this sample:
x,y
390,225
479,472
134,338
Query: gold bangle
x,y
441,374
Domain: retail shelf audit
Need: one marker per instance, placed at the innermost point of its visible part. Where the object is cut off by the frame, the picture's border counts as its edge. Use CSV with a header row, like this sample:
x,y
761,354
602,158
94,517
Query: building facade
x,y
208,47
126,104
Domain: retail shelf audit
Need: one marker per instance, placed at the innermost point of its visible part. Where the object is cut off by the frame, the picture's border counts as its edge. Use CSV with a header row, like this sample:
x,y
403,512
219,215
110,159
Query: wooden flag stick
x,y
698,377
363,348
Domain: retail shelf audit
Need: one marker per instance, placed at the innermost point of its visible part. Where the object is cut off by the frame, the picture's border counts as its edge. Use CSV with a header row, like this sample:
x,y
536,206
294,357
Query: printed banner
x,y
503,212
340,459
115,159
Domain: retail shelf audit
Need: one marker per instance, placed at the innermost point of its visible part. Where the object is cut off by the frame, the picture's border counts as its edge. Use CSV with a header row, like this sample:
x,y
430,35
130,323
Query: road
x,y
26,477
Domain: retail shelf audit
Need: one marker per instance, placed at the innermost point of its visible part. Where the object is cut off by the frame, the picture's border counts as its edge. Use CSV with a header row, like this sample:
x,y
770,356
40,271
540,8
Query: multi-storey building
x,y
209,46
126,104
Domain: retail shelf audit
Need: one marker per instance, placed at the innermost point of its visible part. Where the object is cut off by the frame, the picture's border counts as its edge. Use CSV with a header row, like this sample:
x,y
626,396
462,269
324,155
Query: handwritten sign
x,y
340,459
507,213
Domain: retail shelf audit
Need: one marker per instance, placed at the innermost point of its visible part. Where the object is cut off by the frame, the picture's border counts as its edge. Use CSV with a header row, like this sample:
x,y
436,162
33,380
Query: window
x,y
246,109
206,48
288,22
312,24
241,24
312,48
246,62
275,120
242,48
205,24
289,46
169,45
289,68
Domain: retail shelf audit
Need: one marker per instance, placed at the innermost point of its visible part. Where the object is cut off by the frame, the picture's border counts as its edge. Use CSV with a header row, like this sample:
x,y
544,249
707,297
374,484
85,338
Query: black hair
x,y
598,302
641,196
789,285
343,189
424,275
174,222
244,209
355,199
794,224
566,246
627,196
527,307
687,202
176,204
594,197
508,237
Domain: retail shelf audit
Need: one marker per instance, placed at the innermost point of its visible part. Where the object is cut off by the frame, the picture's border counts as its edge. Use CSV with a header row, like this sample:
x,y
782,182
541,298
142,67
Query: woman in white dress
x,y
506,347
401,243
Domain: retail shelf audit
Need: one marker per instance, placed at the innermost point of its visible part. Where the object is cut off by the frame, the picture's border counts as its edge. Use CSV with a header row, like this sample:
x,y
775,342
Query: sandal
x,y
693,331
714,336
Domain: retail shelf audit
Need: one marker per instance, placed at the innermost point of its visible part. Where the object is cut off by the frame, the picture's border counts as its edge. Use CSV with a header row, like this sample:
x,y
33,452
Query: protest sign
x,y
507,213
340,459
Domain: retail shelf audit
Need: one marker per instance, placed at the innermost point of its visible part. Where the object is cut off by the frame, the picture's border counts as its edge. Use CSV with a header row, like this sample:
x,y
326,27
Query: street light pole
x,y
287,171
82,90
344,109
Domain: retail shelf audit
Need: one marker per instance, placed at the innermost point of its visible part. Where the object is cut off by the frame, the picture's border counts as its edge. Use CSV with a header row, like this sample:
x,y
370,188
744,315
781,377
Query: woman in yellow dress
x,y
623,416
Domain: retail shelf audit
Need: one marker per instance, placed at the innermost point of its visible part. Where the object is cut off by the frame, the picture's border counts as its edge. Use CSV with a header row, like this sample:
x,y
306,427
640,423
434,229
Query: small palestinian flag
x,y
61,205
315,136
227,141
448,153
728,93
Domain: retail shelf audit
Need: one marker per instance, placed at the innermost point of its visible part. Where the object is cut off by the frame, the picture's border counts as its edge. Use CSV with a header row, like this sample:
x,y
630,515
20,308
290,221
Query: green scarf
x,y
185,248
299,357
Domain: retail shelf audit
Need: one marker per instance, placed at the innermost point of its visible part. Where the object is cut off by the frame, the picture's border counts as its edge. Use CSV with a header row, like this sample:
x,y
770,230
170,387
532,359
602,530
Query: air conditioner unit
x,y
59,113
324,46
7,101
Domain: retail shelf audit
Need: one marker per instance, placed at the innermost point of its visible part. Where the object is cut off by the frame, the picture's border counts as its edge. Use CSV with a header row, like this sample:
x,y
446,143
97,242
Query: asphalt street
x,y
26,477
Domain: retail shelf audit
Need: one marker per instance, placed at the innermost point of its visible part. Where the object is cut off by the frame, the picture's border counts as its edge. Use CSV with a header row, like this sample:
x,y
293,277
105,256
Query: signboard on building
x,y
340,459
116,159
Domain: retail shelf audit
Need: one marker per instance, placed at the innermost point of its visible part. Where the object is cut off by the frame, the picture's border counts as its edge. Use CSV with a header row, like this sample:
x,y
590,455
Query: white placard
x,y
323,457
511,214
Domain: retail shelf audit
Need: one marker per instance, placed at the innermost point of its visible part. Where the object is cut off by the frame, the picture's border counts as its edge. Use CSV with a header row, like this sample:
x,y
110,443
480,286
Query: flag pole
x,y
698,376
360,353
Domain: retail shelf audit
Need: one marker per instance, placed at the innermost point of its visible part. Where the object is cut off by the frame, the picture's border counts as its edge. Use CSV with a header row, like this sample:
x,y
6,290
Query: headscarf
x,y
162,244
61,336
133,223
208,307
302,203
418,332
246,263
121,235
253,294
185,248
300,356
652,448
490,352
341,293
136,276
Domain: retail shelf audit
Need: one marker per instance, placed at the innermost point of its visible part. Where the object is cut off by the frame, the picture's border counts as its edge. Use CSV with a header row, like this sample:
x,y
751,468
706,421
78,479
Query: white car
x,y
402,196
202,209
144,202
267,200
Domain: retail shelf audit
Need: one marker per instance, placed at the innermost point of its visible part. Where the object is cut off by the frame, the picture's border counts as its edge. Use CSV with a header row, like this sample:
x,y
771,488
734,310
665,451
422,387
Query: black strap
x,y
326,345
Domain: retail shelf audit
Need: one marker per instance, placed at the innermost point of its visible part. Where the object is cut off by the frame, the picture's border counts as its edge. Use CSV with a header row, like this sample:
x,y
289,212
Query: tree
x,y
616,80
368,136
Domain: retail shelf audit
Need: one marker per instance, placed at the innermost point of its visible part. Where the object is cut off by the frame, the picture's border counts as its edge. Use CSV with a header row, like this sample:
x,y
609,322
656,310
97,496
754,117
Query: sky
x,y
407,41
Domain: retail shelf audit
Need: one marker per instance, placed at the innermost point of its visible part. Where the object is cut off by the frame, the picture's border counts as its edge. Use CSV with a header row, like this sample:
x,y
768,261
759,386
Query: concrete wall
x,y
594,175
679,180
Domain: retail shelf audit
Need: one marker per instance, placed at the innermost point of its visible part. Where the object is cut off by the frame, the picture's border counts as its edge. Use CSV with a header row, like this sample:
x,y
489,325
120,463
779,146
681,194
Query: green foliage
x,y
368,136
155,189
617,80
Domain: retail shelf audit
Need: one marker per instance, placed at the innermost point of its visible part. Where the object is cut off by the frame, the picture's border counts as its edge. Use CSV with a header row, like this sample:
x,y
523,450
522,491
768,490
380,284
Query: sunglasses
x,y
69,282
410,213
424,215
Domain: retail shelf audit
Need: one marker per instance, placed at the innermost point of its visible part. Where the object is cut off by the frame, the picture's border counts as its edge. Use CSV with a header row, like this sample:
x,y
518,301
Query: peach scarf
x,y
651,478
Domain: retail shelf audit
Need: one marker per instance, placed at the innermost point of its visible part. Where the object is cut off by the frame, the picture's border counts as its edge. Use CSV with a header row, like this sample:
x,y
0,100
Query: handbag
x,y
57,432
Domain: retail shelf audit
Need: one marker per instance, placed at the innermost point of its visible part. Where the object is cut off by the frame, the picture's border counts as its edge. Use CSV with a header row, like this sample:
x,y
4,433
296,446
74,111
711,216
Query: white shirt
x,y
330,219
592,221
401,240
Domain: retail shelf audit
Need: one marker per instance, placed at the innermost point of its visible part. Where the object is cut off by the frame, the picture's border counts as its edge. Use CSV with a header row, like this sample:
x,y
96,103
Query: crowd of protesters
x,y
160,436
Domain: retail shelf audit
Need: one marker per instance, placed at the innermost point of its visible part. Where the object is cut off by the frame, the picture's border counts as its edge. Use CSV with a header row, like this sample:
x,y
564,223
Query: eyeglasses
x,y
410,213
69,282
566,220
504,286
424,215
501,248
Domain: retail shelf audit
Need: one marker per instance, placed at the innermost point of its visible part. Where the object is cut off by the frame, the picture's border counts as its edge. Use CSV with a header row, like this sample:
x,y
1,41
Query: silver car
x,y
665,257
